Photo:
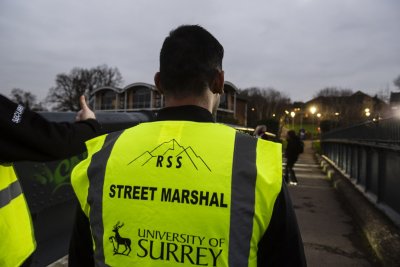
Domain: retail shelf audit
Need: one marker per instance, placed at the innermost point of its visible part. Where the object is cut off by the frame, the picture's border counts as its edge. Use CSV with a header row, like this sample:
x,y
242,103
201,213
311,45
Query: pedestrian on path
x,y
293,149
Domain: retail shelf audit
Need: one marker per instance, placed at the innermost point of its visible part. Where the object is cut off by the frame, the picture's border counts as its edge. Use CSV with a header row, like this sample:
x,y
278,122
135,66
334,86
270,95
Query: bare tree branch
x,y
69,87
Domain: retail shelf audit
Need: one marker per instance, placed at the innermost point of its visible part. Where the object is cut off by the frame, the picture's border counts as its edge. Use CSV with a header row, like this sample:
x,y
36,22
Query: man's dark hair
x,y
189,60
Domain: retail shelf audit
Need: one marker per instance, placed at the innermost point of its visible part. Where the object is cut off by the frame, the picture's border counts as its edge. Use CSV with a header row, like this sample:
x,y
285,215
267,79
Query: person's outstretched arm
x,y
26,135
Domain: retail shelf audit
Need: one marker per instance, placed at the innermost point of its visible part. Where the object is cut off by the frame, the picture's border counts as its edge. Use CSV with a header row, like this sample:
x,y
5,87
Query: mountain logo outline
x,y
171,147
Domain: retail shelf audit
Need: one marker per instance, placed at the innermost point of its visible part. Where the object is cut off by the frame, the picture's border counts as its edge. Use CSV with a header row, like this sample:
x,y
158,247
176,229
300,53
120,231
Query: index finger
x,y
82,101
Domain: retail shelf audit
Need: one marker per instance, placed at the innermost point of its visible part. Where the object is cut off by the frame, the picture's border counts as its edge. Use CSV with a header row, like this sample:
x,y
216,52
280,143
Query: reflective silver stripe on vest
x,y
244,174
96,174
9,193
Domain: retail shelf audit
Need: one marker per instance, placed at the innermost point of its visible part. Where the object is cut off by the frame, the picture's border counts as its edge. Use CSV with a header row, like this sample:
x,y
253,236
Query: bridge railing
x,y
48,190
369,155
378,131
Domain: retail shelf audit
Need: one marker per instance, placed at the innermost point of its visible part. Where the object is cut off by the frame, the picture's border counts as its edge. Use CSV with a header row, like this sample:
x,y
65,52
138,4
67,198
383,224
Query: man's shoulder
x,y
187,123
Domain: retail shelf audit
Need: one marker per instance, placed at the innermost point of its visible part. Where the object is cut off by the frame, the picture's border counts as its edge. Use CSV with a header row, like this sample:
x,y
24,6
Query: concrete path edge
x,y
381,233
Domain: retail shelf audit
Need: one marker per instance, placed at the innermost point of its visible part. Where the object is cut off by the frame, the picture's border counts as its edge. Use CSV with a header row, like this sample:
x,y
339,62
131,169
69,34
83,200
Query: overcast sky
x,y
295,46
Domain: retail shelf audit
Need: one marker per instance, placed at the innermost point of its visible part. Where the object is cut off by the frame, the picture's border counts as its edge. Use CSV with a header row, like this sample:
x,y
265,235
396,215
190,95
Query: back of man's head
x,y
189,60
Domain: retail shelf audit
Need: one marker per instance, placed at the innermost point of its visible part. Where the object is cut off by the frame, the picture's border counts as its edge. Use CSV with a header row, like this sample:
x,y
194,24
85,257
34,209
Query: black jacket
x,y
293,148
26,135
281,245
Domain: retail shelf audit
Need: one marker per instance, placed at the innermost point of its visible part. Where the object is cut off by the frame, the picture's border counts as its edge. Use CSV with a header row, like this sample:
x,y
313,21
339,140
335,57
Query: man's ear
x,y
218,83
158,83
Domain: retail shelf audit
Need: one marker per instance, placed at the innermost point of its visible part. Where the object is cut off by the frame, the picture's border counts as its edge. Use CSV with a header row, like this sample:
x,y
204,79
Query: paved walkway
x,y
329,234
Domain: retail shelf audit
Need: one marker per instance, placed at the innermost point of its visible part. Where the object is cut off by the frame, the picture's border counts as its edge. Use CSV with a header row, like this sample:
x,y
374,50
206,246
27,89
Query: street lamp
x,y
313,109
252,117
337,119
292,114
319,123
367,112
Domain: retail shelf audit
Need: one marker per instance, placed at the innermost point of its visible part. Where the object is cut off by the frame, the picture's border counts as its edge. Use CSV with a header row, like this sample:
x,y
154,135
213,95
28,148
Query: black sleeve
x,y
81,244
25,135
281,244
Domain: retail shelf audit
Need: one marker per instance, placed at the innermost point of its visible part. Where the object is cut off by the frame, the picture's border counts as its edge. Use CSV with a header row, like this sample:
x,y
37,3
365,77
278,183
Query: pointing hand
x,y
85,112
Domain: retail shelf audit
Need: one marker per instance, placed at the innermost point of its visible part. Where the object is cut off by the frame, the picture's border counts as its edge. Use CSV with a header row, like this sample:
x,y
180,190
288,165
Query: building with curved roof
x,y
145,97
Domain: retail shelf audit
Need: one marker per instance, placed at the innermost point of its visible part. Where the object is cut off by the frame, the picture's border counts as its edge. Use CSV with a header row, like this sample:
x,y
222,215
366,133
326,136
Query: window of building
x,y
141,98
224,101
108,100
158,100
121,98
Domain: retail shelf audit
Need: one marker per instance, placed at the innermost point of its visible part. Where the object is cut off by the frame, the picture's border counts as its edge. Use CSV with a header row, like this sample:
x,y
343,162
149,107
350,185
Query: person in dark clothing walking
x,y
293,149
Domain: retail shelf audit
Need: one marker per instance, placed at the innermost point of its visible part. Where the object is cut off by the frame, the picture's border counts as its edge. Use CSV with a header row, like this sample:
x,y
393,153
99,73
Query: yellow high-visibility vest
x,y
17,241
178,193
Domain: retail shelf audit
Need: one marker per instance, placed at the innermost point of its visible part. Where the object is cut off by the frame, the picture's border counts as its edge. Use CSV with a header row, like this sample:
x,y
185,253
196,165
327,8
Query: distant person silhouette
x,y
294,148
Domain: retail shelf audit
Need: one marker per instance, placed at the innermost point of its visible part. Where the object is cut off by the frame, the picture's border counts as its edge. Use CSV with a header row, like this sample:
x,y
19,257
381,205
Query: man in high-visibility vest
x,y
184,191
25,135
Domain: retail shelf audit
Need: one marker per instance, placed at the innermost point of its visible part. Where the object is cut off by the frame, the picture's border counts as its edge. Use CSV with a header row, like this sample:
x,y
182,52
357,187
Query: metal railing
x,y
369,155
378,131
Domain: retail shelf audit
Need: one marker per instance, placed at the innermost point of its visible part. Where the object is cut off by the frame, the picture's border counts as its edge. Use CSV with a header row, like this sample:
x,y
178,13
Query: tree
x,y
25,98
263,103
334,91
397,82
69,87
384,94
334,100
299,105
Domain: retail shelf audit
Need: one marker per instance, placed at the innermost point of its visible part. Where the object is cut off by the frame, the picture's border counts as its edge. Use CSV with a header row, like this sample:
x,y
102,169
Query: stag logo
x,y
117,240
